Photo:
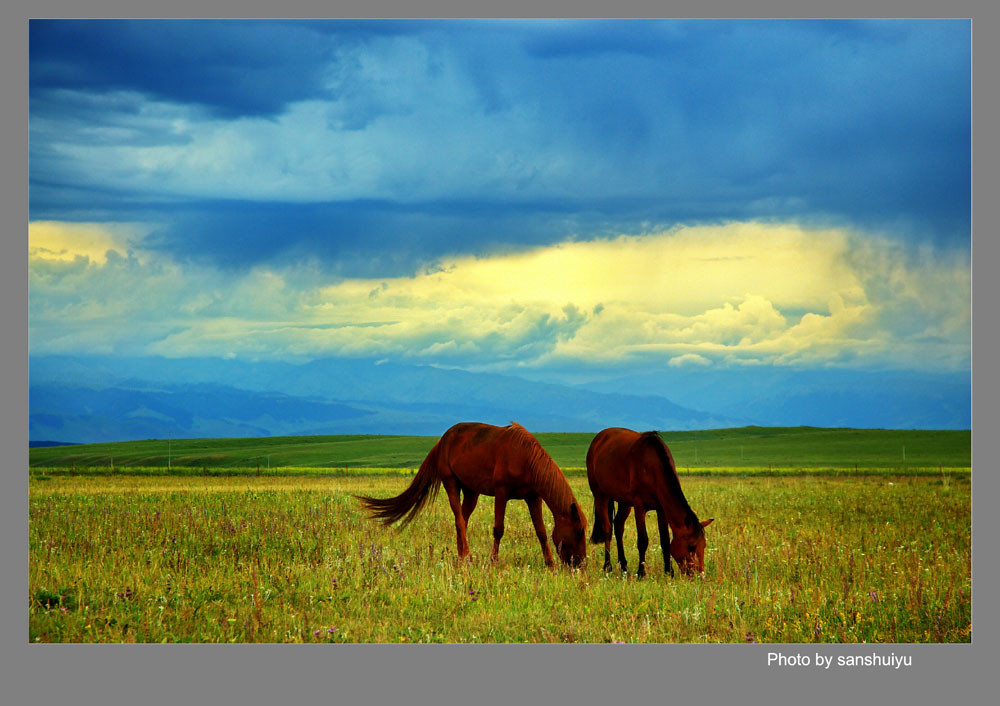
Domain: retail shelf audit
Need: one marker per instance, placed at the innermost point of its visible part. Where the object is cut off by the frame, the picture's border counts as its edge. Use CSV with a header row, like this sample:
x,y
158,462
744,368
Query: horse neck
x,y
668,490
546,478
675,506
552,486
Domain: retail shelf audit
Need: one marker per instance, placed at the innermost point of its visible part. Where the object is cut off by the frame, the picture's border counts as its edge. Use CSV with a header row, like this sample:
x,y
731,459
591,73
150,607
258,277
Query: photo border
x,y
487,674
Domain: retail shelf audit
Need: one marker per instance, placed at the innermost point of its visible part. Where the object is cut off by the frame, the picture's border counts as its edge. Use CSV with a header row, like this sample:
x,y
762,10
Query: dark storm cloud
x,y
862,121
478,135
367,238
232,68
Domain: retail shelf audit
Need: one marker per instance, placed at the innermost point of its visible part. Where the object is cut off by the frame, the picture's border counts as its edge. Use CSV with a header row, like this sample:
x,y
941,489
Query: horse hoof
x,y
607,567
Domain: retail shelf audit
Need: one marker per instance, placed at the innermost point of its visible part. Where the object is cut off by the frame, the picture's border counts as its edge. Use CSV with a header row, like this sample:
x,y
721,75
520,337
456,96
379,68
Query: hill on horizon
x,y
81,399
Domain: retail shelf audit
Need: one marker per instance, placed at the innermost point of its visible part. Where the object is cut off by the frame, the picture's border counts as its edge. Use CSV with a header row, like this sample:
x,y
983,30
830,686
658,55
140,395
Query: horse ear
x,y
706,523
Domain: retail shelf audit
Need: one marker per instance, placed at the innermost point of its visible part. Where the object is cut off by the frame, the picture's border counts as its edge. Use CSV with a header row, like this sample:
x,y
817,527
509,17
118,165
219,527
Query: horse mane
x,y
547,480
656,442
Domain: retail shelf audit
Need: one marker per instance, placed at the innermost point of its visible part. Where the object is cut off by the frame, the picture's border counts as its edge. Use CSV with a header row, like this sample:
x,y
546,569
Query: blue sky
x,y
504,195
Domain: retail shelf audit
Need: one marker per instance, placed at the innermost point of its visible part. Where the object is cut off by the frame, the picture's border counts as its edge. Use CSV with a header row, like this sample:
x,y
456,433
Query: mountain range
x,y
82,399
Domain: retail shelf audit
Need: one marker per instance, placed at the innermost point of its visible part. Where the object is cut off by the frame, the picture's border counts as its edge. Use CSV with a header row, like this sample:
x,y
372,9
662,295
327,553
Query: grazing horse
x,y
508,463
637,470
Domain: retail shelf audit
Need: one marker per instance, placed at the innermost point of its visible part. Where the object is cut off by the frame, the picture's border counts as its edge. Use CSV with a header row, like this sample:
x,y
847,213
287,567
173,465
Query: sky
x,y
533,196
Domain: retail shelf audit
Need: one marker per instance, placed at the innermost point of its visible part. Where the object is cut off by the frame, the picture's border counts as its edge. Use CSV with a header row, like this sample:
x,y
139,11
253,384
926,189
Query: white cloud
x,y
735,294
689,360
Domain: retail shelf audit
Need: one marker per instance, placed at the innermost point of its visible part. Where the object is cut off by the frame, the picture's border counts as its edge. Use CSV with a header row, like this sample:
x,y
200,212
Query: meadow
x,y
745,448
819,556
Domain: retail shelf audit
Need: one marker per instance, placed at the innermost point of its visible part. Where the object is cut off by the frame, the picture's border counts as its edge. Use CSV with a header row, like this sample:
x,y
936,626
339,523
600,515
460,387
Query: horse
x,y
637,470
474,459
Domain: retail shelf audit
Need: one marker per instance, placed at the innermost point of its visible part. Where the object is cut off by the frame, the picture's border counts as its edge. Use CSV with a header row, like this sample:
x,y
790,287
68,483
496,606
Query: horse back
x,y
610,463
481,456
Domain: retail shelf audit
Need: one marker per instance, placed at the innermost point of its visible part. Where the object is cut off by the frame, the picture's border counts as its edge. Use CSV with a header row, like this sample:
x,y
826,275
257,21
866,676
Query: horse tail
x,y
598,536
411,501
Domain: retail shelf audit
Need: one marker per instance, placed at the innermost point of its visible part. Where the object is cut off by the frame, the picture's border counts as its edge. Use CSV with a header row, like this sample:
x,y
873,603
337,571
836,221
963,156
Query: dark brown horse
x,y
637,471
508,463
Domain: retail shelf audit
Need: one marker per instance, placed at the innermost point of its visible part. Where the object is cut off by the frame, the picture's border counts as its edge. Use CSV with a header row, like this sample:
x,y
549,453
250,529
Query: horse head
x,y
688,547
569,534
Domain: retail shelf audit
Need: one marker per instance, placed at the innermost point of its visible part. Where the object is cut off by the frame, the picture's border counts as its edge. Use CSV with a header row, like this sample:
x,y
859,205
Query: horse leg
x,y
661,520
451,487
499,510
535,510
469,500
609,513
643,540
620,518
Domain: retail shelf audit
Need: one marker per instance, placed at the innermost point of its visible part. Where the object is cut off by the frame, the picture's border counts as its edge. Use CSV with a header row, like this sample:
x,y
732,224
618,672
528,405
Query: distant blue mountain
x,y
89,399
94,398
826,398
83,414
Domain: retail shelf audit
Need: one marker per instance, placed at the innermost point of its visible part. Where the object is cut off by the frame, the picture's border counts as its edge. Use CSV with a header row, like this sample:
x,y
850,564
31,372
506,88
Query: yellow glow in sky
x,y
683,272
743,292
55,240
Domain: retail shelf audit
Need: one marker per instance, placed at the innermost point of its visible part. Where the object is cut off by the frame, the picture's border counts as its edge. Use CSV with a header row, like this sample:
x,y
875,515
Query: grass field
x,y
747,447
807,558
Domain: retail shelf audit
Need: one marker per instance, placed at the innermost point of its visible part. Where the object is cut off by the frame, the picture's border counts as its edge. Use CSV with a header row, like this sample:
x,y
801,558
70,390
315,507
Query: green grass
x,y
292,451
748,447
815,558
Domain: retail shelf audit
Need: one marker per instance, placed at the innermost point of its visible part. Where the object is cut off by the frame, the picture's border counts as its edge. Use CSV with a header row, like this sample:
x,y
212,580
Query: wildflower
x,y
316,633
330,630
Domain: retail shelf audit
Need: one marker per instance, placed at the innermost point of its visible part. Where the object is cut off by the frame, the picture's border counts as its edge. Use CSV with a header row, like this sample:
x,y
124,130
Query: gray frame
x,y
112,674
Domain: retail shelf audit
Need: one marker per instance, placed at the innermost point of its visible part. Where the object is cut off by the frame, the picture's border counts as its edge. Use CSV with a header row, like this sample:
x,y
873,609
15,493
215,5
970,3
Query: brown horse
x,y
637,470
506,462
